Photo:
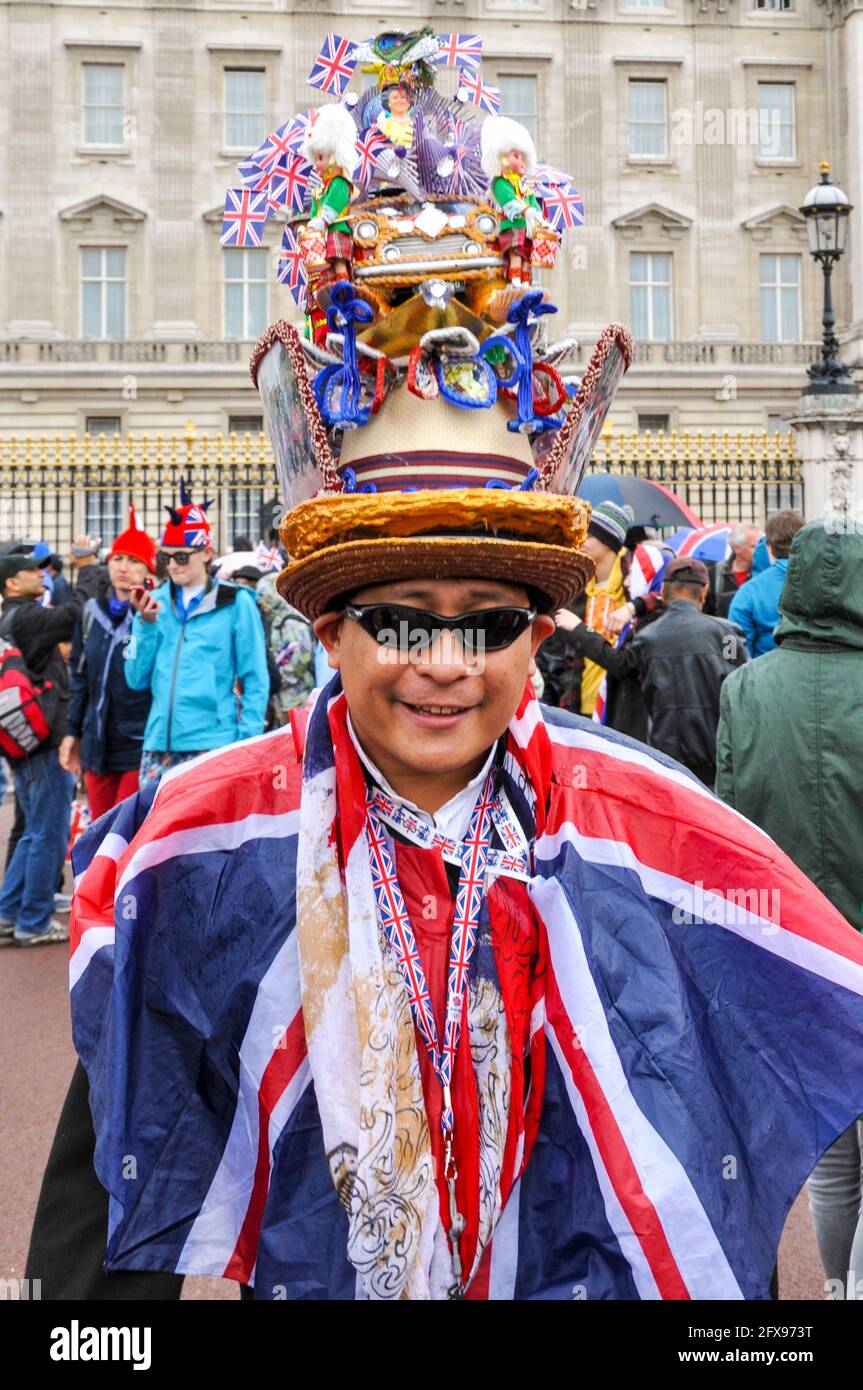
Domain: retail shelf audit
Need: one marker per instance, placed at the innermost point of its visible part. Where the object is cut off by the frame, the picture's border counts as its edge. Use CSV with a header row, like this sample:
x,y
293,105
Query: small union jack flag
x,y
291,270
334,66
563,207
461,50
290,186
245,216
481,95
368,143
546,173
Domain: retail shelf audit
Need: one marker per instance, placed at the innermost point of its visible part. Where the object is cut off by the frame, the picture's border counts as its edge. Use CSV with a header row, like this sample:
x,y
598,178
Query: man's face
x,y
25,584
187,565
440,710
744,551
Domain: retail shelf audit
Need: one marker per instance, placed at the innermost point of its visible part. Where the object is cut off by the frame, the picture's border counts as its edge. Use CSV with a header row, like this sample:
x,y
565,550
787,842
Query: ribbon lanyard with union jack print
x,y
465,930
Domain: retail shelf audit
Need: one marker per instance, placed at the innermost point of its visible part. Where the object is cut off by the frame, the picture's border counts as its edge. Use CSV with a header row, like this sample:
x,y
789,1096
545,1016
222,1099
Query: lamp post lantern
x,y
826,209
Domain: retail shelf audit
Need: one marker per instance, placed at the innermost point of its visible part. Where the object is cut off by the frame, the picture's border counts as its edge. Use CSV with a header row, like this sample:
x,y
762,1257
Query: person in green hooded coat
x,y
789,756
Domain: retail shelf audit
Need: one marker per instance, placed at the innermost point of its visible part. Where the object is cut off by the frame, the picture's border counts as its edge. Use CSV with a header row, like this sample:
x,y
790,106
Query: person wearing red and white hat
x,y
105,719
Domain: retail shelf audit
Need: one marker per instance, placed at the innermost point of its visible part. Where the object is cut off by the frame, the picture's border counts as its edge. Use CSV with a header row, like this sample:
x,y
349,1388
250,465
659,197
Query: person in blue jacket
x,y
198,645
755,606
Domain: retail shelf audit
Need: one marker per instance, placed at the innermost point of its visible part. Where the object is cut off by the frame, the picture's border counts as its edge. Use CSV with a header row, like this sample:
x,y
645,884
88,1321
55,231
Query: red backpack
x,y
25,707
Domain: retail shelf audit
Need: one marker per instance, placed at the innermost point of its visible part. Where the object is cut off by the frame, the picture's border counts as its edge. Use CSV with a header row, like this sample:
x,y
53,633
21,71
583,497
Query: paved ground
x,y
37,1055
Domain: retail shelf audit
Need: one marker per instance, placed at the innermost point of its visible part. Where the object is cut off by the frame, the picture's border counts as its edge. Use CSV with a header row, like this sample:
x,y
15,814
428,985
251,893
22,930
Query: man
x,y
105,720
404,1009
755,608
198,646
621,703
572,682
43,789
680,660
790,736
729,576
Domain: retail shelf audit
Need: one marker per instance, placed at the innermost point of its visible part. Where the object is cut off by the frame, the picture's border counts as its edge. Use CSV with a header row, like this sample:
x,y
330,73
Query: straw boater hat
x,y
426,488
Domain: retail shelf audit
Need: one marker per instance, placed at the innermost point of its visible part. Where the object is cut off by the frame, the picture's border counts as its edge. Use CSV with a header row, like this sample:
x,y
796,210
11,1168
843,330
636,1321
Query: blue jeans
x,y
45,794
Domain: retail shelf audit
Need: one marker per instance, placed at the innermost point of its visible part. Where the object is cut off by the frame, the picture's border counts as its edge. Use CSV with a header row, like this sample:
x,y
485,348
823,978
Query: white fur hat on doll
x,y
500,134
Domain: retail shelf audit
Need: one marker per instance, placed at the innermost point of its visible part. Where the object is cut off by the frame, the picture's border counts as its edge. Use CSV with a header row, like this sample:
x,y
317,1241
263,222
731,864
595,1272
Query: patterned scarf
x,y
360,1034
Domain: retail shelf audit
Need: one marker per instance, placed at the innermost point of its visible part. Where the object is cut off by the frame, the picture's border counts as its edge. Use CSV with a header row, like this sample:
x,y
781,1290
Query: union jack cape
x,y
702,1048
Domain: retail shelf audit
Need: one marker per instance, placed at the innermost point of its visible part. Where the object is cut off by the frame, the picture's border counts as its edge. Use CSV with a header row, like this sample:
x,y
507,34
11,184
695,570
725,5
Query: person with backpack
x,y
105,720
34,692
199,646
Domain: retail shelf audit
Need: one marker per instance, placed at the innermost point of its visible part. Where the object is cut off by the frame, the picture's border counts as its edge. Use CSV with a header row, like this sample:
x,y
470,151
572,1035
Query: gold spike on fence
x,y
54,487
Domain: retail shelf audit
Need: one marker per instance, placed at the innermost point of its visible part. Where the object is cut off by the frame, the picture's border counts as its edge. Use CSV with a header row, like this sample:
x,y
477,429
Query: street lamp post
x,y
826,209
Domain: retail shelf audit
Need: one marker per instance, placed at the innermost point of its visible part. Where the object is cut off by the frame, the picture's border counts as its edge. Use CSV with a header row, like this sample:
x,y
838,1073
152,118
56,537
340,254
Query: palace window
x,y
648,118
780,299
650,295
519,100
776,136
246,271
103,103
245,108
103,292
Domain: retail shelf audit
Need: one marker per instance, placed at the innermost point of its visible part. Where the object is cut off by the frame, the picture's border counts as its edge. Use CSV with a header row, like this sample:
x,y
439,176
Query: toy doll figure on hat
x,y
331,147
508,157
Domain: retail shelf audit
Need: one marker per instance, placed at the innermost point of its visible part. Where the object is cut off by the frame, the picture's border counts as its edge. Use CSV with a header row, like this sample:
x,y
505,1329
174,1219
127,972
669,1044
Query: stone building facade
x,y
693,129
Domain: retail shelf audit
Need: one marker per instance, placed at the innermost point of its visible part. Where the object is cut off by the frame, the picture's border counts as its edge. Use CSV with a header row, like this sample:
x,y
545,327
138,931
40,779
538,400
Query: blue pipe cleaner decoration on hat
x,y
523,313
346,310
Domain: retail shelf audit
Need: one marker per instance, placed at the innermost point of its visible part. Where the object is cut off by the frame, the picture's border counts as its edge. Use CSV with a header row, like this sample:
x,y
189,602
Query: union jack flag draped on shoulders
x,y
695,1003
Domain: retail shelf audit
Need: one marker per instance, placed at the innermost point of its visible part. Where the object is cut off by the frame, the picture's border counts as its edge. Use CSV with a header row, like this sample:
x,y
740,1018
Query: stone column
x,y
829,432
29,219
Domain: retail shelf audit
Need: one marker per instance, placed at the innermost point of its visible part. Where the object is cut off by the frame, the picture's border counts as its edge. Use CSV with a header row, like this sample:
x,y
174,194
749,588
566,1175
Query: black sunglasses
x,y
180,557
397,625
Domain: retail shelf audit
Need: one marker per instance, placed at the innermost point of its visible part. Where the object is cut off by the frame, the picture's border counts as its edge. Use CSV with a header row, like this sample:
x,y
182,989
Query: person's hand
x,y
89,545
566,620
144,603
617,621
70,755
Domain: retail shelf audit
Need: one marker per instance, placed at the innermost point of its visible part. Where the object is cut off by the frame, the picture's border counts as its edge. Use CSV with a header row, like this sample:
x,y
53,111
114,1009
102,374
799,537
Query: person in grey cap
x,y
43,789
570,680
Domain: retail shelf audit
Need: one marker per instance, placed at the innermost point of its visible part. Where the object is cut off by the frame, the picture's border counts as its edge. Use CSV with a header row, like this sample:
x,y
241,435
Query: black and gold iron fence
x,y
55,487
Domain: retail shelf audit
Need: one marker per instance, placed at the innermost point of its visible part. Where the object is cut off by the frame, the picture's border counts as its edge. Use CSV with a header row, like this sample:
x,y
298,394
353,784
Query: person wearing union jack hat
x,y
198,646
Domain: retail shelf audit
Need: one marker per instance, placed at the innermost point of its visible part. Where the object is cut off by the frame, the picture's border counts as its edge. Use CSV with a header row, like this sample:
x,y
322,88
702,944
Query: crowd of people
x,y
650,643
146,660
744,671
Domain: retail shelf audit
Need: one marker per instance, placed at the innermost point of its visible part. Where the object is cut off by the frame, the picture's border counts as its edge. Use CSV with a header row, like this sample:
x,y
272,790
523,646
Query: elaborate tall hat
x,y
426,487
427,427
